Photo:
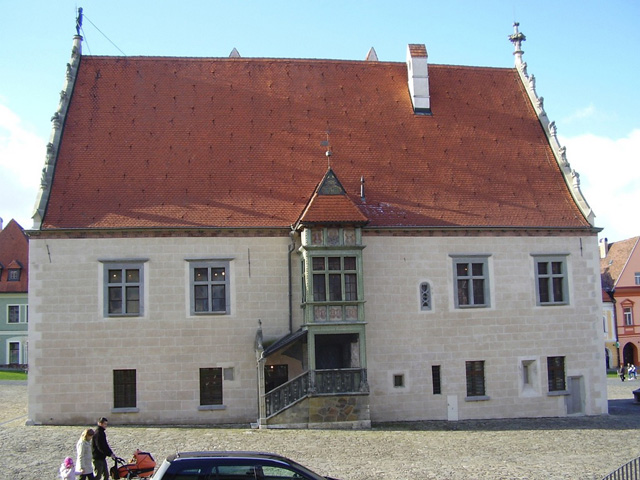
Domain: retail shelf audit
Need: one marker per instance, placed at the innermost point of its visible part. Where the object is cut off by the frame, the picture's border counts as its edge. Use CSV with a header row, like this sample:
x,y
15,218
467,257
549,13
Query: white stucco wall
x,y
74,348
401,339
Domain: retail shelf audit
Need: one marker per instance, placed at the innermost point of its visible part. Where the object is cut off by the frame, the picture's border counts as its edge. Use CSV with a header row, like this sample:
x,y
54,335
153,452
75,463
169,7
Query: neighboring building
x,y
14,280
309,242
611,344
620,275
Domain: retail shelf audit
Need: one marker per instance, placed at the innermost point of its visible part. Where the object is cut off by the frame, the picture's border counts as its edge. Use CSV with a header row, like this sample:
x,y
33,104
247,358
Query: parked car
x,y
232,466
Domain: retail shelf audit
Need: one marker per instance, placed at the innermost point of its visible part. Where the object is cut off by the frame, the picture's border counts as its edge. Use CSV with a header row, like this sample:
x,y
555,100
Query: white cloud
x,y
22,155
610,180
586,112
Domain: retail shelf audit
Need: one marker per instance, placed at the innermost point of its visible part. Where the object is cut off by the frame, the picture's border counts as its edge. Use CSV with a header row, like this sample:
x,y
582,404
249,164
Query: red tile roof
x,y
14,253
612,265
236,142
330,205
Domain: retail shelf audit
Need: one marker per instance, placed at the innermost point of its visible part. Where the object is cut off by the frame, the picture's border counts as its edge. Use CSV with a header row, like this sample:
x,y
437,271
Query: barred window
x,y
210,386
124,389
475,378
435,378
556,374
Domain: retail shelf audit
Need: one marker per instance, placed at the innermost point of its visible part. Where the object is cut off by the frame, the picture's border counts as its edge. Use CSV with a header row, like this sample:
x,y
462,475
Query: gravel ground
x,y
555,448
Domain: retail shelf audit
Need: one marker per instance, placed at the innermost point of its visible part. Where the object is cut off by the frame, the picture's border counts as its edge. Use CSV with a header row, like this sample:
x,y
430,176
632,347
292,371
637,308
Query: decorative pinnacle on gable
x,y
517,38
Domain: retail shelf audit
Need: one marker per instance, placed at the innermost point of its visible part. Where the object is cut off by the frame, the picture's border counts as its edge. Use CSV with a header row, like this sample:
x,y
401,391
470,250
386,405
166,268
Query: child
x,y
68,469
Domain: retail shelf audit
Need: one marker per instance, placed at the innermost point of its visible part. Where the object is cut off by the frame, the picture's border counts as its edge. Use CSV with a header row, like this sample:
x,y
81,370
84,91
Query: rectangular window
x,y
398,381
13,314
14,353
637,278
556,375
551,280
471,282
13,275
335,279
210,386
124,289
124,389
435,378
627,312
210,287
475,379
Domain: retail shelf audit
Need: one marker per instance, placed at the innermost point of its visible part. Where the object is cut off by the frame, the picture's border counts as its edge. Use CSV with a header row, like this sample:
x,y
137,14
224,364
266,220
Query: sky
x,y
584,55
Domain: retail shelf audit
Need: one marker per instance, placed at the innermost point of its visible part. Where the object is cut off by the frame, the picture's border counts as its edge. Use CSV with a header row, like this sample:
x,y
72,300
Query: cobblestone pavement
x,y
549,448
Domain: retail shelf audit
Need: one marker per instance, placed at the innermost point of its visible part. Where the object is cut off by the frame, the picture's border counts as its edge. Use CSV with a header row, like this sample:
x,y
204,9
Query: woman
x,y
83,462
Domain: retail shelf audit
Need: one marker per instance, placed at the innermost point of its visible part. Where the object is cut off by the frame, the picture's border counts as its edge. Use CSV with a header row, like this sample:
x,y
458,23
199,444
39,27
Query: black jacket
x,y
99,446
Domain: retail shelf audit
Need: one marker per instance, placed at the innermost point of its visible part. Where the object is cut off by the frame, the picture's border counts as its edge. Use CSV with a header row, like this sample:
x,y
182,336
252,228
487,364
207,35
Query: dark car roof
x,y
224,454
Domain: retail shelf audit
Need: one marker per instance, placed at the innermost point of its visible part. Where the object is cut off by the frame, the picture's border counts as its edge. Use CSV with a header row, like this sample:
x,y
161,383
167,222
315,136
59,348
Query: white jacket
x,y
83,460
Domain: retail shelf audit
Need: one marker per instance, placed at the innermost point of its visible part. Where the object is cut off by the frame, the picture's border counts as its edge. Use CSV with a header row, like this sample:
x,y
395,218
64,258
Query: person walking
x,y
84,457
100,450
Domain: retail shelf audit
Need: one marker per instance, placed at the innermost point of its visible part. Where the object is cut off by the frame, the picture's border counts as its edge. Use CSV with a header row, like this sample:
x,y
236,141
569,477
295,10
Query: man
x,y
100,450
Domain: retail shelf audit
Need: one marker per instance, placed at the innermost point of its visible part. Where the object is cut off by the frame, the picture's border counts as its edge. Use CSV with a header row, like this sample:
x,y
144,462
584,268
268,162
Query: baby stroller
x,y
141,465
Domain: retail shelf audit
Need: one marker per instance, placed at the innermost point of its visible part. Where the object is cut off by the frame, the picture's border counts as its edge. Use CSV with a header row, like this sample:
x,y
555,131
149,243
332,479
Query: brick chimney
x,y
418,77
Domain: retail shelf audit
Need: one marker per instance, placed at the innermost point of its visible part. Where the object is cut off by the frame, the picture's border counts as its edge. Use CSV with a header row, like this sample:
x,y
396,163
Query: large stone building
x,y
309,242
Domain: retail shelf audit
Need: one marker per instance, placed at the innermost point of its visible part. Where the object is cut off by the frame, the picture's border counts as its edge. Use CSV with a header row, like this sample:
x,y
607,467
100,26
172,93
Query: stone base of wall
x,y
323,412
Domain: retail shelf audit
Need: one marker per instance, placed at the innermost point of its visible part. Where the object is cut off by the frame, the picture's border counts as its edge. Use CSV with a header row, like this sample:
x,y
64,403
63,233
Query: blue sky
x,y
584,55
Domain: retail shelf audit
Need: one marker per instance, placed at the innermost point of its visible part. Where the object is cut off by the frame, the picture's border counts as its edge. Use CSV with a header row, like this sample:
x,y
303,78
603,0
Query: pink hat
x,y
68,462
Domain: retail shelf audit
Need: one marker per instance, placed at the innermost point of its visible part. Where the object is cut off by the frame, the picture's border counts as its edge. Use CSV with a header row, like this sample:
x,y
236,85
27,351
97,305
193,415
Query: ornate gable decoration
x,y
330,185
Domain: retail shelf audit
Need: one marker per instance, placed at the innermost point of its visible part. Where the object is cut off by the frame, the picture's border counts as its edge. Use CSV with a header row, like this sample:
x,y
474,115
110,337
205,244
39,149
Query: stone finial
x,y
517,38
372,56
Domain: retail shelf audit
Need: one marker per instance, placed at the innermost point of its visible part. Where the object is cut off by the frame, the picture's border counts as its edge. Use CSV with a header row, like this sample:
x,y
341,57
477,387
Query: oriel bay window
x,y
335,280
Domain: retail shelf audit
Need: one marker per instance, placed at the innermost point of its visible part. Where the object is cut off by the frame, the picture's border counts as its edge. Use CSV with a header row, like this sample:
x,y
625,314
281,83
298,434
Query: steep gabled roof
x,y
330,204
613,264
14,254
235,143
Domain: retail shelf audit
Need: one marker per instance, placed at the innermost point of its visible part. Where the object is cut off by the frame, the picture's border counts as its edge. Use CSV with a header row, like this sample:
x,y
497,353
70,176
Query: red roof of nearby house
x,y
612,265
14,254
236,142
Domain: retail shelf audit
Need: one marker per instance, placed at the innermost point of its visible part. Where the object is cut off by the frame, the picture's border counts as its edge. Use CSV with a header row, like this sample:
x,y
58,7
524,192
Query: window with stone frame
x,y
627,314
124,284
471,281
209,285
551,280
